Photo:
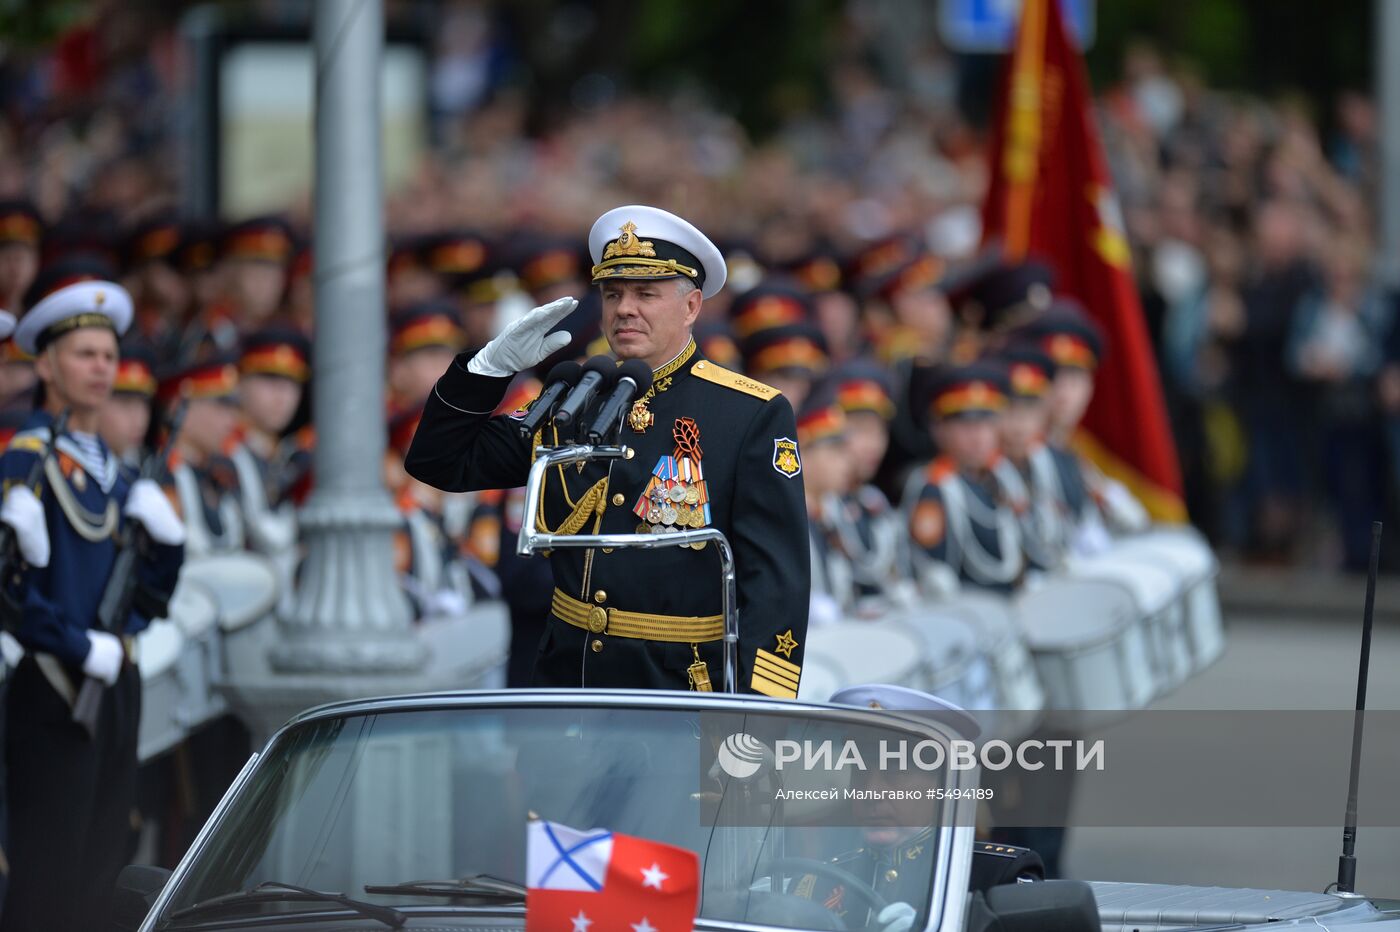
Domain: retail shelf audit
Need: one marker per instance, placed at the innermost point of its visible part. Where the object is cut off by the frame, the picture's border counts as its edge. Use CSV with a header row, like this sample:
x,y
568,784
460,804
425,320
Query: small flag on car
x,y
601,881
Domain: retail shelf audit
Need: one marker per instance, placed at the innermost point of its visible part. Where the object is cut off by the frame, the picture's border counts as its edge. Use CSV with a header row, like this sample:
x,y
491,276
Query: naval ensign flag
x,y
601,881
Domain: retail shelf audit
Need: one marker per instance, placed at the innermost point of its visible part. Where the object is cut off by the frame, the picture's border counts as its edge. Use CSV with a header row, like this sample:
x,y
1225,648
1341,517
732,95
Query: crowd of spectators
x,y
1253,232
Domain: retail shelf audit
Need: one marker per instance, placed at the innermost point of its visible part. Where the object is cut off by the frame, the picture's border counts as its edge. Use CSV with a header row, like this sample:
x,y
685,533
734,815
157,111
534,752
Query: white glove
x,y
525,342
23,512
446,603
896,917
105,656
148,504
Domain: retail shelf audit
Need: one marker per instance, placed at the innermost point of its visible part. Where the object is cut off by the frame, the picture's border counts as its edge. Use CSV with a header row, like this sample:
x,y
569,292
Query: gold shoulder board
x,y
740,383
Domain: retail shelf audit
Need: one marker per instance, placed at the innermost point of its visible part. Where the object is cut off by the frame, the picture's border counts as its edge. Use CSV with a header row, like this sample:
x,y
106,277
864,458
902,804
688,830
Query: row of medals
x,y
675,509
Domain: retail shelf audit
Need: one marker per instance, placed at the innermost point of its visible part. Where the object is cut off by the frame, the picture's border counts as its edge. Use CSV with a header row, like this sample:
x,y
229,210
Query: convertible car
x,y
412,812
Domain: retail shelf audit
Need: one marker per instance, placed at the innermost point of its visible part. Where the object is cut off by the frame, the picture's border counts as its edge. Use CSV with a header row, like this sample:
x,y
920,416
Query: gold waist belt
x,y
679,629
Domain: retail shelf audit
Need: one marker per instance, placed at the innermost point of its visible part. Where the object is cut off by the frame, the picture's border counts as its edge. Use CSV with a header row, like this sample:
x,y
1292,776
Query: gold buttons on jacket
x,y
597,645
600,597
891,875
619,499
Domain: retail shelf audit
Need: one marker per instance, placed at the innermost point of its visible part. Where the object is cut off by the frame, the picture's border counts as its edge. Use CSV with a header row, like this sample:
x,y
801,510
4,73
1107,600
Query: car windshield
x,y
356,803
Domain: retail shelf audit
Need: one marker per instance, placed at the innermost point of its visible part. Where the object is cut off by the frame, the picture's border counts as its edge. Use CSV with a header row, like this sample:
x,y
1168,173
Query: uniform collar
x,y
689,353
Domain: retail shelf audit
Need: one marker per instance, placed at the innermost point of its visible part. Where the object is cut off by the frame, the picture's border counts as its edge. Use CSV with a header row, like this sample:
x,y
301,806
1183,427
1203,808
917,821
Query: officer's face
x,y
649,320
972,441
80,367
887,821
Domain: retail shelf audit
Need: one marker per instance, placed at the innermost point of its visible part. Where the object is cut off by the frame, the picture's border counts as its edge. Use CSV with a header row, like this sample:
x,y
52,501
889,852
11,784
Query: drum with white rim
x,y
883,651
1091,649
1020,697
243,584
957,670
1158,593
201,663
820,678
158,650
1186,551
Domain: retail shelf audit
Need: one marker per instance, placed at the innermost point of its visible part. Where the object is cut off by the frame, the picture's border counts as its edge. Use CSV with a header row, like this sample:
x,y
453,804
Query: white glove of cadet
x,y
896,917
105,656
525,342
23,512
148,504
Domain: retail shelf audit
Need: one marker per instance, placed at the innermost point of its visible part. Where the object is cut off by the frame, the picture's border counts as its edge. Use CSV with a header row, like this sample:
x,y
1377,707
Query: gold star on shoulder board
x,y
786,643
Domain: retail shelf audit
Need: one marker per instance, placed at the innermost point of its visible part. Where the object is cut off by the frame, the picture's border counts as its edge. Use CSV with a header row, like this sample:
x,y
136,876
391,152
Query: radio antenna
x,y
1346,864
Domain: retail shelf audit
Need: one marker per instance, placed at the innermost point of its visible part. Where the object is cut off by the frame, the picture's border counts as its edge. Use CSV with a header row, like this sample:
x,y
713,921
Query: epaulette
x,y
719,375
995,850
26,442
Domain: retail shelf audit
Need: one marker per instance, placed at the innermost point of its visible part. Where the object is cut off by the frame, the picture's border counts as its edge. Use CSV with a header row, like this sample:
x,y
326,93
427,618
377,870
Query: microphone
x,y
562,377
633,379
598,373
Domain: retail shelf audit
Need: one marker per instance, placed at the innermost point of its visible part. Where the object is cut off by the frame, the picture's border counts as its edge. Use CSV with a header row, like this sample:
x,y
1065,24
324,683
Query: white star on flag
x,y
581,922
652,876
643,926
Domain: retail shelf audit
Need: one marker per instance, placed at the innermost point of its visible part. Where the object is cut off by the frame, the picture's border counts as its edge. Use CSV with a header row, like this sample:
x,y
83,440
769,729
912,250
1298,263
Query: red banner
x,y
1051,197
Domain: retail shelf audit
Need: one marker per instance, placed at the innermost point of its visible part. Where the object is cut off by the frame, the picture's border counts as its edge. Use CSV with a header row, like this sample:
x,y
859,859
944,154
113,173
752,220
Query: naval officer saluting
x,y
713,449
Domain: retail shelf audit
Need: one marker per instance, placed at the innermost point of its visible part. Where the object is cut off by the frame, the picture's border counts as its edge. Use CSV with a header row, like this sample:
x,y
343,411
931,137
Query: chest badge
x,y
640,417
676,498
786,460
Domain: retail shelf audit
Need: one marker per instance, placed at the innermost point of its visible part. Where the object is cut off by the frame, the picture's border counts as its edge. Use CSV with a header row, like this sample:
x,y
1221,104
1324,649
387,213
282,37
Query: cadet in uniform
x,y
872,531
959,517
793,357
827,467
1075,345
126,417
204,478
70,795
1029,470
423,340
272,374
712,448
20,234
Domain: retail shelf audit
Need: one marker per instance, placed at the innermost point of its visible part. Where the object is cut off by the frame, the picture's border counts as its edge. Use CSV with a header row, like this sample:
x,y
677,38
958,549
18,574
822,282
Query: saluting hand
x,y
525,342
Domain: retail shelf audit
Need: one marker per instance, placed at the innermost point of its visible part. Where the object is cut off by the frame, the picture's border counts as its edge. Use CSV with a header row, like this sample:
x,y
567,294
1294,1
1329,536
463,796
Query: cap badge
x,y
99,298
628,245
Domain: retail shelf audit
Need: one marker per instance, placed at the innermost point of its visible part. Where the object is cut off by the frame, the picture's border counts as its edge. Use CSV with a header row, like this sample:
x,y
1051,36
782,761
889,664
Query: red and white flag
x,y
601,881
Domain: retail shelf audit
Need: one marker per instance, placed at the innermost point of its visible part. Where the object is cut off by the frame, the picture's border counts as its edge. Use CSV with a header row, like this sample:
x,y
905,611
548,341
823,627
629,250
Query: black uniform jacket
x,y
742,436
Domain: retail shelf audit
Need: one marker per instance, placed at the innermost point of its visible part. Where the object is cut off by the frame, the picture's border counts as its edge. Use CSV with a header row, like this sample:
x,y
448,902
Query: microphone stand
x,y
531,540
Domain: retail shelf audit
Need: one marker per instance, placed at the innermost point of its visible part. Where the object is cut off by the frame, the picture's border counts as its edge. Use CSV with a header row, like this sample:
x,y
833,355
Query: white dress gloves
x,y
23,512
525,342
148,504
105,656
896,917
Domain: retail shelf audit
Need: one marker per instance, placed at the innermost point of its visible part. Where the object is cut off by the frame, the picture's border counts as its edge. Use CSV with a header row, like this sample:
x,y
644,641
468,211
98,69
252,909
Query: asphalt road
x,y
1268,664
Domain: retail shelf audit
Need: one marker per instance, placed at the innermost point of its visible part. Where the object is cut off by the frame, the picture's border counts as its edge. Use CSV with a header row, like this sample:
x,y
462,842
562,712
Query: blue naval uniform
x,y
70,796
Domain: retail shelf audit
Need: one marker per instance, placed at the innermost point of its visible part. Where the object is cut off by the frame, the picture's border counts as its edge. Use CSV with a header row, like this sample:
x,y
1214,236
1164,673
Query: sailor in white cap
x,y
713,448
70,795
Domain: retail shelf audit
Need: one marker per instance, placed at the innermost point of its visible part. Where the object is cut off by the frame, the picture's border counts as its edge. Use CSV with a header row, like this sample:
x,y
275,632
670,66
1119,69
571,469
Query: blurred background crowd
x,y
827,131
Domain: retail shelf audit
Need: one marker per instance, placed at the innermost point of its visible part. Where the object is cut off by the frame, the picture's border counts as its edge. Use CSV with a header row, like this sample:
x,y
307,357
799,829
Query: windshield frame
x,y
944,912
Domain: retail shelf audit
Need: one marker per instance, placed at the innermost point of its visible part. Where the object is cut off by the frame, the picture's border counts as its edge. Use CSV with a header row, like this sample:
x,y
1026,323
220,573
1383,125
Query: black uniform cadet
x,y
712,448
959,515
70,795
